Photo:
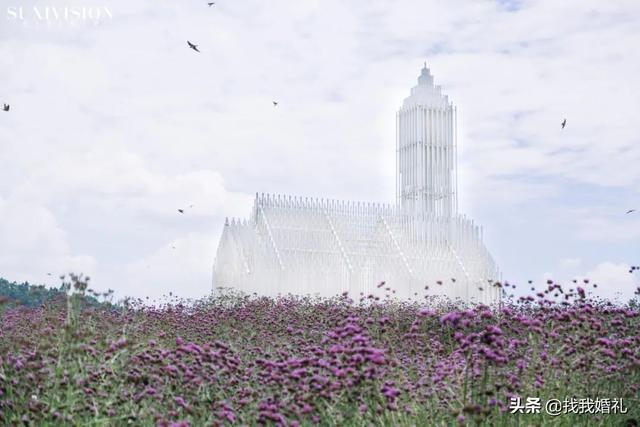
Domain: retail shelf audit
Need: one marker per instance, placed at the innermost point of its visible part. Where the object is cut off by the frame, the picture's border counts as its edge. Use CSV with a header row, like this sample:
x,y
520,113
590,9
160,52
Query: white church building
x,y
324,247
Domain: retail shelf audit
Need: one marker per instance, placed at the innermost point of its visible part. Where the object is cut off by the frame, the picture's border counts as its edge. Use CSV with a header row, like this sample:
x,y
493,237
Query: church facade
x,y
418,245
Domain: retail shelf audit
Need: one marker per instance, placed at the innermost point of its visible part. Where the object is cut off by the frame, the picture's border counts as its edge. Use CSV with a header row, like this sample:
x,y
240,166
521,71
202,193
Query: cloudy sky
x,y
115,124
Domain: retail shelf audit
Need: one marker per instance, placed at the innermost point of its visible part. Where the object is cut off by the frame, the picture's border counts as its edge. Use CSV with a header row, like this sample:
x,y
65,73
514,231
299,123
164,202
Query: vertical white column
x,y
427,147
449,165
409,155
454,184
416,122
447,169
407,164
429,162
405,153
438,159
439,174
416,166
430,179
419,147
401,160
432,166
423,181
407,141
405,172
443,167
421,156
397,158
454,190
455,152
414,160
432,160
402,154
445,162
401,165
443,158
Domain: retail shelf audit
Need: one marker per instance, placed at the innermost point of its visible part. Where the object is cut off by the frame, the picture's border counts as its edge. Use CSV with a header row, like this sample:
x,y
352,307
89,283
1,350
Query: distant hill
x,y
30,295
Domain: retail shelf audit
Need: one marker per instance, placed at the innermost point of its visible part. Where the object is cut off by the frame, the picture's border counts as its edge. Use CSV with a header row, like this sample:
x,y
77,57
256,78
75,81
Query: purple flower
x,y
298,373
180,402
452,318
390,392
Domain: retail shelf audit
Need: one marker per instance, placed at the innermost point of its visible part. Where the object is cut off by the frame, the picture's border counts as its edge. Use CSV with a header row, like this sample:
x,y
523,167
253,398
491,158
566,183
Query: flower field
x,y
291,361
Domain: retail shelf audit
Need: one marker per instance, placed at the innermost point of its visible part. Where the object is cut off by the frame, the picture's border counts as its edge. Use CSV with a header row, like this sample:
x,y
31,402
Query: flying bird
x,y
275,104
631,211
181,211
564,123
48,274
193,46
6,107
211,4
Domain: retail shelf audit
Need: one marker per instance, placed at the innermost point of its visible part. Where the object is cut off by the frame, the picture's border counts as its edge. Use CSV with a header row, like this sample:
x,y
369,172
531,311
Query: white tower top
x,y
425,93
426,153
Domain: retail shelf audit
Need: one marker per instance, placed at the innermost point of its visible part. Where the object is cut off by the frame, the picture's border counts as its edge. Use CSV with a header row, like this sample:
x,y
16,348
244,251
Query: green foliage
x,y
31,295
28,295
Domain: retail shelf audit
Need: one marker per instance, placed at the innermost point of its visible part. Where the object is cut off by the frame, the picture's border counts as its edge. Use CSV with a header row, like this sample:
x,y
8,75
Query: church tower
x,y
308,246
426,177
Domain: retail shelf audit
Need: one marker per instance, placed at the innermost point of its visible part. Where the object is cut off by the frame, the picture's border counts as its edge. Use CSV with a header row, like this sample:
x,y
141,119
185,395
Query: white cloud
x,y
570,263
182,266
606,224
614,281
34,244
